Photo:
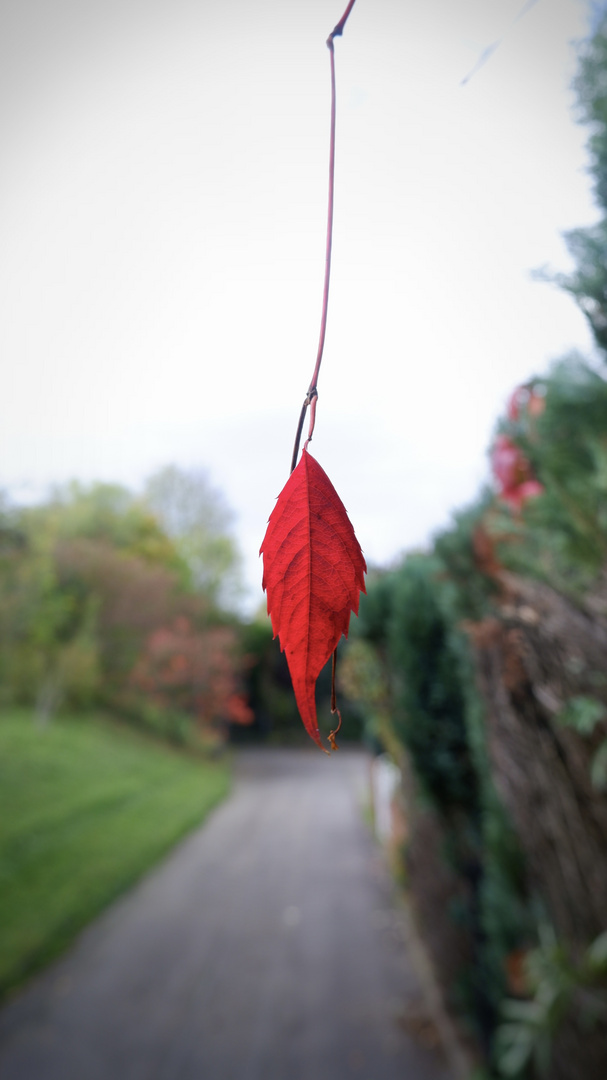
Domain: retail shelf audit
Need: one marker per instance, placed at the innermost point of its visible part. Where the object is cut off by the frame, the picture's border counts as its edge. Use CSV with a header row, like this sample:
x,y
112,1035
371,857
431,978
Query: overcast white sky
x,y
162,211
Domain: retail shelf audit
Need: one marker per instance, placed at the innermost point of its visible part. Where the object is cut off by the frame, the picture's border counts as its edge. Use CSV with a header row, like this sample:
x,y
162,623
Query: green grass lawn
x,y
85,807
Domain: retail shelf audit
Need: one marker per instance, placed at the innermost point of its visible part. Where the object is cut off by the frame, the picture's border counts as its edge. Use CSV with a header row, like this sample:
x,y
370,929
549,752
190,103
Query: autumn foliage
x,y
99,607
192,670
513,473
313,575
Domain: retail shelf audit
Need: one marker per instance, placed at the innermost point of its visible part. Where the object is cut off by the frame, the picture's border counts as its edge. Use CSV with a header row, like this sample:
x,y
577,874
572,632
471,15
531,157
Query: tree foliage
x,y
588,246
195,516
93,590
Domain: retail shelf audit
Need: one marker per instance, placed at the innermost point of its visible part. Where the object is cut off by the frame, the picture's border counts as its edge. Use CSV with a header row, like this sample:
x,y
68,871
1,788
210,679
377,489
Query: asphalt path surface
x,y
267,946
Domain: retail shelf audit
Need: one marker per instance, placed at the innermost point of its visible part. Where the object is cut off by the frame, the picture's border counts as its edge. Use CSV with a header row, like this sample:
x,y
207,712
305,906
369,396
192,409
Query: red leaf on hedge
x,y
313,574
512,471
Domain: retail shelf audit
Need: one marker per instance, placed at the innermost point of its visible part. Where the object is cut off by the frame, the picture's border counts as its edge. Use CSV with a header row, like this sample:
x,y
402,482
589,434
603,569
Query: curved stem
x,y
300,425
339,29
312,394
329,240
334,709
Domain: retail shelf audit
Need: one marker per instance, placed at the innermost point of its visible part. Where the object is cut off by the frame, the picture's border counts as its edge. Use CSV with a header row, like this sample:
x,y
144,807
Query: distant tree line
x,y
113,599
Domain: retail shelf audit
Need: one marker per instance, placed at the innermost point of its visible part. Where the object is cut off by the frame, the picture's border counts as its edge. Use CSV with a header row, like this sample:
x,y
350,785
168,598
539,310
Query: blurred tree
x,y
132,597
109,513
47,647
588,246
559,537
195,516
269,686
93,592
50,640
193,672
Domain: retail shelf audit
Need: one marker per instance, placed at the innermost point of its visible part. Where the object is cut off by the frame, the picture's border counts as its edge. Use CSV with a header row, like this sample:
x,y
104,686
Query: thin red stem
x,y
334,709
339,29
312,394
329,241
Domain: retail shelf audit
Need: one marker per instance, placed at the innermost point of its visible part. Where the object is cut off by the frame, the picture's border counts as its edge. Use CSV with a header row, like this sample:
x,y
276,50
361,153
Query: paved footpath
x,y
265,947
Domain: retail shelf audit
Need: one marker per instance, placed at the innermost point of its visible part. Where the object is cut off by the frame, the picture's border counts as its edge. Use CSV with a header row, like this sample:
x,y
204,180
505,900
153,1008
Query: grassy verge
x,y
85,807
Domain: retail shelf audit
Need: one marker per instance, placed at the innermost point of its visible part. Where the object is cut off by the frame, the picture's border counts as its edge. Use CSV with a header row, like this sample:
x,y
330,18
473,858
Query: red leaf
x,y
512,472
313,573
